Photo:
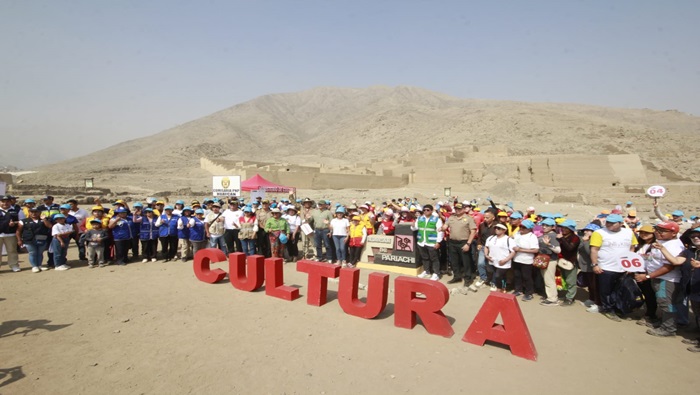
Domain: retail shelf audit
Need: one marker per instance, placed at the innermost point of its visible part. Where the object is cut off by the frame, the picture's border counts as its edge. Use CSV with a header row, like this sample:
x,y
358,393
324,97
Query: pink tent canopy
x,y
257,182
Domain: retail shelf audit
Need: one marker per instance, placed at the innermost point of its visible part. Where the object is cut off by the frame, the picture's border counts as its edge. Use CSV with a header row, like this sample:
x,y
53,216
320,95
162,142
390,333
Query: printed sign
x,y
258,192
632,262
656,191
226,186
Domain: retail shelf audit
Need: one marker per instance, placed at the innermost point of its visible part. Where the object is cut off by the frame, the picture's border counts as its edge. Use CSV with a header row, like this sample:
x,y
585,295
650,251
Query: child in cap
x,y
95,238
61,233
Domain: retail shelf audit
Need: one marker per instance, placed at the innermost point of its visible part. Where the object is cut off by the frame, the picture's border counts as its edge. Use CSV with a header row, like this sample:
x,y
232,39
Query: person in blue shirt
x,y
167,233
148,233
121,227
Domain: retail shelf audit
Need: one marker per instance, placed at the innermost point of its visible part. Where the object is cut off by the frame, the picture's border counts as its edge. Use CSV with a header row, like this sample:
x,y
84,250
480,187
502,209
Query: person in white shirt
x,y
339,231
499,252
80,214
61,236
232,226
526,246
430,235
294,222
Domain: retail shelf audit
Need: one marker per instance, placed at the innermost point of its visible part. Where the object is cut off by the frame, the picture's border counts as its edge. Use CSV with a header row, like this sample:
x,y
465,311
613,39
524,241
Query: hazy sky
x,y
77,76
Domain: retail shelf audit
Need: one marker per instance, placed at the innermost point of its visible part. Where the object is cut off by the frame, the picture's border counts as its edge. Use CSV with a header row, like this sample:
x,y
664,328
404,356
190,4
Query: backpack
x,y
627,295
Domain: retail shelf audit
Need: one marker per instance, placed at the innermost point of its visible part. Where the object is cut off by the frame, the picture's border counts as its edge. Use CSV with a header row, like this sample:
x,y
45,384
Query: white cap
x,y
530,208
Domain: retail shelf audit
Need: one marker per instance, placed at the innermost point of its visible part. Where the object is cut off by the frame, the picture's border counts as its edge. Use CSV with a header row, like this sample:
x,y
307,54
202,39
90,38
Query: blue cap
x,y
148,209
298,200
569,223
187,208
273,205
138,204
247,209
199,211
558,215
340,210
516,215
602,215
64,206
322,202
592,227
693,217
696,230
548,221
677,213
57,216
168,208
509,204
546,215
614,218
337,205
182,202
120,210
29,201
629,202
527,224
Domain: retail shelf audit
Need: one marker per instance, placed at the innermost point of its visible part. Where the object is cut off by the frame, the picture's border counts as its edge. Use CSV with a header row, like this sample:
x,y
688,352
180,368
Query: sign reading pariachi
x,y
250,273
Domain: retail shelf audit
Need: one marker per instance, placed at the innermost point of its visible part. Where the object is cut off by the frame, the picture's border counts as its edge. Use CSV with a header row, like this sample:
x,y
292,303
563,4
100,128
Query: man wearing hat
x,y
9,219
430,235
607,245
462,230
676,216
81,215
232,225
167,233
183,234
320,220
214,228
49,209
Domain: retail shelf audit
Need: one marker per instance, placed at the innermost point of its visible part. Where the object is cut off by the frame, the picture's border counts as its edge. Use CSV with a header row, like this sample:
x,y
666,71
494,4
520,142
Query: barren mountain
x,y
336,125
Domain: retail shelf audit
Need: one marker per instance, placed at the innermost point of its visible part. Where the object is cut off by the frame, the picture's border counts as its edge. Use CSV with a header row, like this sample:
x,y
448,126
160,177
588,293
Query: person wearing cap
x,y
584,261
179,205
9,220
121,227
514,223
677,216
368,218
646,237
357,235
499,251
276,226
549,245
232,225
158,208
320,221
340,227
148,232
502,218
462,231
607,245
568,262
249,231
386,226
629,206
665,277
28,205
294,222
198,236
689,261
430,236
61,236
49,209
526,245
95,238
183,234
33,233
263,241
215,228
81,215
631,220
167,233
71,220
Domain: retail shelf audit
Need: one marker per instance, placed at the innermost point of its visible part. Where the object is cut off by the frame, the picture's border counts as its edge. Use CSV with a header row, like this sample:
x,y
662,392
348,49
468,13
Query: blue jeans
x,y
340,249
321,238
59,253
481,265
218,242
248,246
36,252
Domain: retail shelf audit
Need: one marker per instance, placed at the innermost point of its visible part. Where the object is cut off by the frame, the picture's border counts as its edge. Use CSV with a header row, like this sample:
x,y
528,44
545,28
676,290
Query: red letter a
x,y
377,292
238,265
274,281
201,264
407,306
513,332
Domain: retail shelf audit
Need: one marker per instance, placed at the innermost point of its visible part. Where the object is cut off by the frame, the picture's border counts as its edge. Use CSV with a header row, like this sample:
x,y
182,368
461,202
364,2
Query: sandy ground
x,y
154,328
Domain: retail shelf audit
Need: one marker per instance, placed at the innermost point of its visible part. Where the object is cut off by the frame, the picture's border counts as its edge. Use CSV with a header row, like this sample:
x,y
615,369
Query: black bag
x,y
627,294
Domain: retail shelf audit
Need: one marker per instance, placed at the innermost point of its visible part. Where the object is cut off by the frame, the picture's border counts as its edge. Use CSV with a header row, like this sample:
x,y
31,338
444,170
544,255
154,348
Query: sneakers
x,y
479,283
493,288
424,275
648,322
144,260
693,349
692,342
593,309
44,268
153,259
91,265
660,332
102,264
568,302
36,270
15,268
548,303
62,268
611,316
435,277
588,303
517,293
473,288
527,298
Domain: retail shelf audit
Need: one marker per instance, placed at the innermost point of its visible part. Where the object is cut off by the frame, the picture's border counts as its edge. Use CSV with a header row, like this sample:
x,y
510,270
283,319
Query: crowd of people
x,y
525,252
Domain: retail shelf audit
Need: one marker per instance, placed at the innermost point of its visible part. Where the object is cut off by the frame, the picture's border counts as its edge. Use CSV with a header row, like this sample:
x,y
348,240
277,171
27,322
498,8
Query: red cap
x,y
670,225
